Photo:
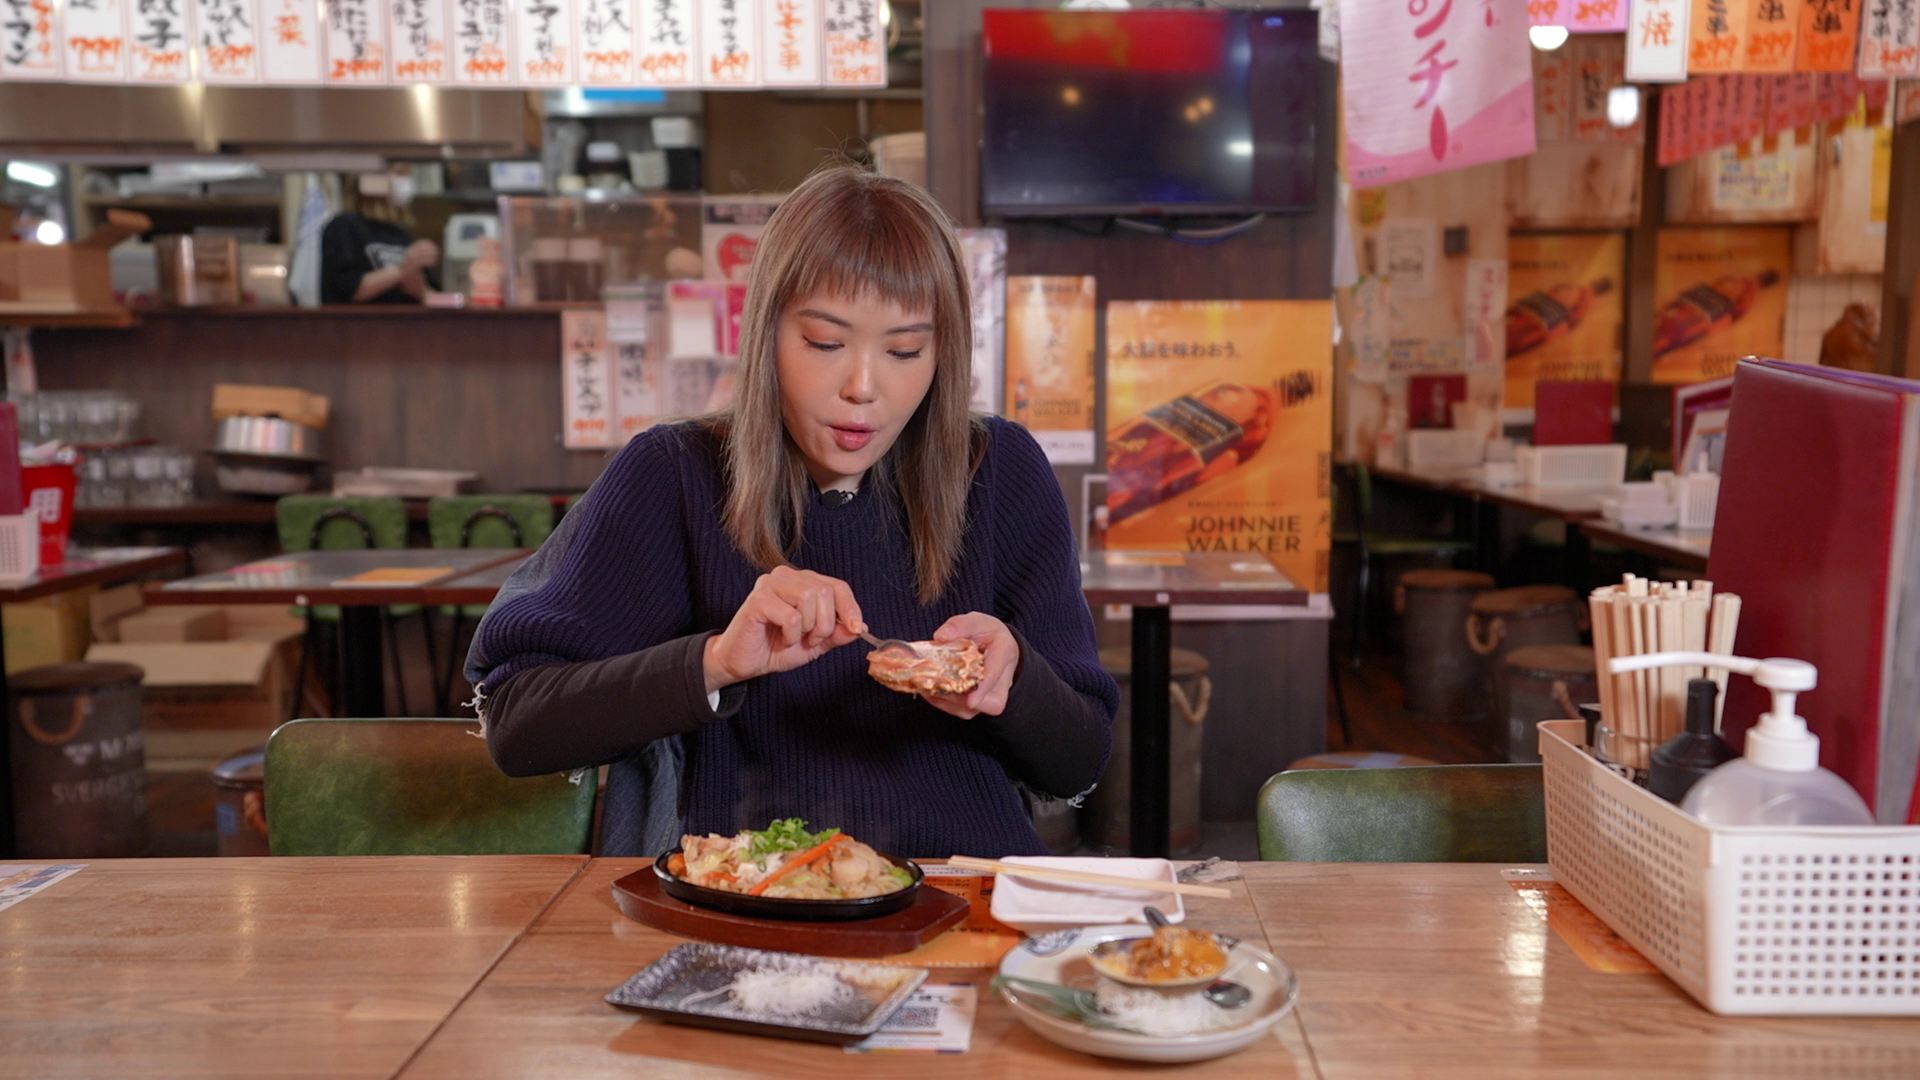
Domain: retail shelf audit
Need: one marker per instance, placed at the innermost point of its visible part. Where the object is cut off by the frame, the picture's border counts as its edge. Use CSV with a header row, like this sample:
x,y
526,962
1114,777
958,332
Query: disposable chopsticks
x,y
1637,616
1083,877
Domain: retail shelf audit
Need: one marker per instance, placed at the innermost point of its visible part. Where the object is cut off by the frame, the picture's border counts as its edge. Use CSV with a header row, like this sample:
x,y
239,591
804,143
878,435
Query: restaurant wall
x,y
1269,704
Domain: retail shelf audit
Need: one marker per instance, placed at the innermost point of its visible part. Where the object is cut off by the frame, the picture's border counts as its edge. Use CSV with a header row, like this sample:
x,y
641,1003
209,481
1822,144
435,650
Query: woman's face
x,y
852,372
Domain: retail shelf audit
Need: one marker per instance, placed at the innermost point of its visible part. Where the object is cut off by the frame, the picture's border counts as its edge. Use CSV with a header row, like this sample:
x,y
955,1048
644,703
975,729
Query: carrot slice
x,y
677,865
791,865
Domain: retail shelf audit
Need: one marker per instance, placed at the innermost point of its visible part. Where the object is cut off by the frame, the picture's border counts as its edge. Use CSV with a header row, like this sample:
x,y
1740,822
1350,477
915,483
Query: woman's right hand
x,y
791,617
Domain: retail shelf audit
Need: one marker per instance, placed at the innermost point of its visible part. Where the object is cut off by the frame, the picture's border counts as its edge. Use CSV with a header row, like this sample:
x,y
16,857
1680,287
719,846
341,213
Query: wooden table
x,y
475,968
1442,971
315,577
335,969
83,567
1152,582
1687,549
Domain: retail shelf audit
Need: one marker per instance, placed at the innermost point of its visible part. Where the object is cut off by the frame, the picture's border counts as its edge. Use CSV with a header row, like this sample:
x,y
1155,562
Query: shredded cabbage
x,y
787,834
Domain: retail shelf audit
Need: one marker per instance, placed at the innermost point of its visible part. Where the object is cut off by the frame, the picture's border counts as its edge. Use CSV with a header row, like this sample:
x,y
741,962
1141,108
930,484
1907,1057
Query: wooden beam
x,y
1899,337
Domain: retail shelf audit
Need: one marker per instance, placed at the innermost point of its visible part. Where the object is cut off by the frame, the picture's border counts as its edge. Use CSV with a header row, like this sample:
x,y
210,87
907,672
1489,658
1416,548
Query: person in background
x,y
687,623
365,261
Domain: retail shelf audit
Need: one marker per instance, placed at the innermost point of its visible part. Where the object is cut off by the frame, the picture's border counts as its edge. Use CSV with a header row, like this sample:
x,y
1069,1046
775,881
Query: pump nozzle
x,y
1781,739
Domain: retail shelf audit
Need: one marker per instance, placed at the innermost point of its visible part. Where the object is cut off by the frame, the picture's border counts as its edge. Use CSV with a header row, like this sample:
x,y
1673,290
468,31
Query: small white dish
x,y
1062,958
1038,907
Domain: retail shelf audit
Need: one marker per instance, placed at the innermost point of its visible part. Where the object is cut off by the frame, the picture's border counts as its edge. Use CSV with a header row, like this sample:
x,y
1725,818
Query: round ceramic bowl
x,y
1062,958
780,907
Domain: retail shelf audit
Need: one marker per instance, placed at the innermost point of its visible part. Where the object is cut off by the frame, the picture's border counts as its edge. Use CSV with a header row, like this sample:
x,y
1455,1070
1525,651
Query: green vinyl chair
x,y
344,523
481,521
1438,813
413,787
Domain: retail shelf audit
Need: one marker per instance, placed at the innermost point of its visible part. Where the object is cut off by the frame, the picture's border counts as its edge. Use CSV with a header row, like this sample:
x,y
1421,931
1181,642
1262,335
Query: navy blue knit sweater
x,y
593,655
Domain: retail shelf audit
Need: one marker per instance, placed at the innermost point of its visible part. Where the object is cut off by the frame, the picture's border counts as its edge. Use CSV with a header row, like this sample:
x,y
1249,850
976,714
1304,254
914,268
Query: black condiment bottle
x,y
1682,760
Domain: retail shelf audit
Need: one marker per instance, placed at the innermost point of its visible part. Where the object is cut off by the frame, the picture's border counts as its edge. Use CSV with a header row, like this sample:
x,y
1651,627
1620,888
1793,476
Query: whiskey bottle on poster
x,y
1540,317
1192,439
1707,307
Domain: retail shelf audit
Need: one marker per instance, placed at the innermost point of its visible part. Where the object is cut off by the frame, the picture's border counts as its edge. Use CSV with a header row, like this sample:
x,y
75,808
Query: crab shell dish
x,y
954,667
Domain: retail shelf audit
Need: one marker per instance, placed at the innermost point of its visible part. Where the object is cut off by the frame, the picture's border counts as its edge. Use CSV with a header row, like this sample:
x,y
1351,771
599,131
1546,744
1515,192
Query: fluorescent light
x,y
49,232
28,172
1240,148
1547,38
1623,106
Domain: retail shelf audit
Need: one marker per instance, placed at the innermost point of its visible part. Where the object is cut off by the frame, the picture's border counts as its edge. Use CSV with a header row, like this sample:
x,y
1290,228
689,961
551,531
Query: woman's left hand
x,y
1002,653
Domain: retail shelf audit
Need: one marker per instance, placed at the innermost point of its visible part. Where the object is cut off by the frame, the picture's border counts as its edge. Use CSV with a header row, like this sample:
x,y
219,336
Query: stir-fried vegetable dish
x,y
785,860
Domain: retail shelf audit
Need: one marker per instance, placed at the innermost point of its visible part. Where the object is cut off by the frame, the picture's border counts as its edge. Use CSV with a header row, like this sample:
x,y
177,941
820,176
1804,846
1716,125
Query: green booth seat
x,y
414,787
1438,813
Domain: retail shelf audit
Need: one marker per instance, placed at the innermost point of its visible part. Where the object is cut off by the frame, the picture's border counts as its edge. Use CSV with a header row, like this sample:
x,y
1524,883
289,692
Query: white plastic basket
x,y
19,546
1696,495
1572,466
1750,921
1435,448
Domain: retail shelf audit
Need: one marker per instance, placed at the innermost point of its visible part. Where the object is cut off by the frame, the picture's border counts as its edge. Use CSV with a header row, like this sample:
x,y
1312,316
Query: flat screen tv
x,y
1169,113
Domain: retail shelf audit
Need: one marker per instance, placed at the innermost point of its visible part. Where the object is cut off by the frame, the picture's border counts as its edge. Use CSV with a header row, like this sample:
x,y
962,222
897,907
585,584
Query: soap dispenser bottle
x,y
1779,781
1683,760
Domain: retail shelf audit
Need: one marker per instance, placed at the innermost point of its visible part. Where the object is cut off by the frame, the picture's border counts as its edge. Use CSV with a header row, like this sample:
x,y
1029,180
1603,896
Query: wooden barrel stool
x,y
1507,619
1442,677
1545,682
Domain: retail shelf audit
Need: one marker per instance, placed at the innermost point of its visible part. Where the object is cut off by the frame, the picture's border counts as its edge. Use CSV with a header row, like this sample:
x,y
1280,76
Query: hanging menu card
x,y
29,40
729,43
419,40
543,44
356,43
667,30
790,38
855,44
96,41
158,32
228,43
604,33
1890,39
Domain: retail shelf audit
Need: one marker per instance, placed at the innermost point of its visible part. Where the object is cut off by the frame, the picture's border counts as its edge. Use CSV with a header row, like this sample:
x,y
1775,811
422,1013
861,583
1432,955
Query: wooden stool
x,y
1507,619
1545,682
1442,675
1357,759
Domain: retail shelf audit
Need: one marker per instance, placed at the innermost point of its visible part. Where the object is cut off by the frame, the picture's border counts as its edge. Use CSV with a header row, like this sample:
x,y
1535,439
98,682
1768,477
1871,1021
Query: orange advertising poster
x,y
1564,311
1720,294
1219,429
1773,31
1050,323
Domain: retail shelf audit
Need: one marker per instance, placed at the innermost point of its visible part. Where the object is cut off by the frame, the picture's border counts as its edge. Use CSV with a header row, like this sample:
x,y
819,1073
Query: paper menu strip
x,y
1657,40
603,33
356,43
1829,33
790,42
1773,29
30,41
228,40
586,378
543,43
418,36
1716,40
854,44
668,32
480,32
729,43
290,42
96,42
1890,39
159,35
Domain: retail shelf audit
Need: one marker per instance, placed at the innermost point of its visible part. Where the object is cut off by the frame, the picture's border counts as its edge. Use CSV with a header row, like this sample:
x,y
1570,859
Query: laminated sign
x,y
1890,39
229,46
1219,421
1657,40
419,41
586,379
1564,312
1446,84
29,40
1050,323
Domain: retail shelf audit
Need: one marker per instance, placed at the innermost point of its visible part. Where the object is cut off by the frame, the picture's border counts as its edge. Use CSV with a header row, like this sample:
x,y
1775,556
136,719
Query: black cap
x,y
1700,697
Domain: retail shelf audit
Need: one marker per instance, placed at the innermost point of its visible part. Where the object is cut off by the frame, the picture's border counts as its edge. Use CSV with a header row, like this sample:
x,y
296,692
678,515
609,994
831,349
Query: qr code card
x,y
937,1019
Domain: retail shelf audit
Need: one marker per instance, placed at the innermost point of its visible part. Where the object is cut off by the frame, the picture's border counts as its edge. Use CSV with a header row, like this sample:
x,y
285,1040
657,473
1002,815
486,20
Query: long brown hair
x,y
853,234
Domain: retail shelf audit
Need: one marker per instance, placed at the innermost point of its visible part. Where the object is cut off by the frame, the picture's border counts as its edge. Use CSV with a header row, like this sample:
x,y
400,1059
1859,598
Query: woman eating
x,y
689,620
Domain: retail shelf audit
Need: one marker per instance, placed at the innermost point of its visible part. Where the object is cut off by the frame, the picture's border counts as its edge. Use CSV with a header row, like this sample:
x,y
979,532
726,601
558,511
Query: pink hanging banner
x,y
1447,84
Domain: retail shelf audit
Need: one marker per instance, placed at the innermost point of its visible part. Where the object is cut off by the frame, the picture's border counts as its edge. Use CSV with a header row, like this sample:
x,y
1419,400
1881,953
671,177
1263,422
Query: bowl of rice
x,y
1145,1024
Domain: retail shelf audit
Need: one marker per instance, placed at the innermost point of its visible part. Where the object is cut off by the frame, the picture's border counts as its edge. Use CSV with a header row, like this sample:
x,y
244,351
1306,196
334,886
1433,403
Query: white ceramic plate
x,y
1039,907
1061,957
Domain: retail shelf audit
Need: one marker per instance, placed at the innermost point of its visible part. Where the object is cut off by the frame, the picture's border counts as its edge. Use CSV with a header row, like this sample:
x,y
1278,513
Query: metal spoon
x,y
1222,992
883,644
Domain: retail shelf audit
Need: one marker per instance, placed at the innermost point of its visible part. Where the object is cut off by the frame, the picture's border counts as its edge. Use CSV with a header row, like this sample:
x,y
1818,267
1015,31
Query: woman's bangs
x,y
871,254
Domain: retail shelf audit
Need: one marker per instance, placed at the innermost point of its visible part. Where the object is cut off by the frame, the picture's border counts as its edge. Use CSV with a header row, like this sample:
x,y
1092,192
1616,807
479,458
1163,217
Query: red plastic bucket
x,y
47,493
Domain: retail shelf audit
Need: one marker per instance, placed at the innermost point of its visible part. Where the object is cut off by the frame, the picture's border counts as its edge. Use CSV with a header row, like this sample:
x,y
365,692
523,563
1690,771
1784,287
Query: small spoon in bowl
x,y
884,644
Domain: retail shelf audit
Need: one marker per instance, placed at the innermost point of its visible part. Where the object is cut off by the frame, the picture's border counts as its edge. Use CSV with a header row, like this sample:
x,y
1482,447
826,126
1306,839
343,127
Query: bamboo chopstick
x,y
1083,877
